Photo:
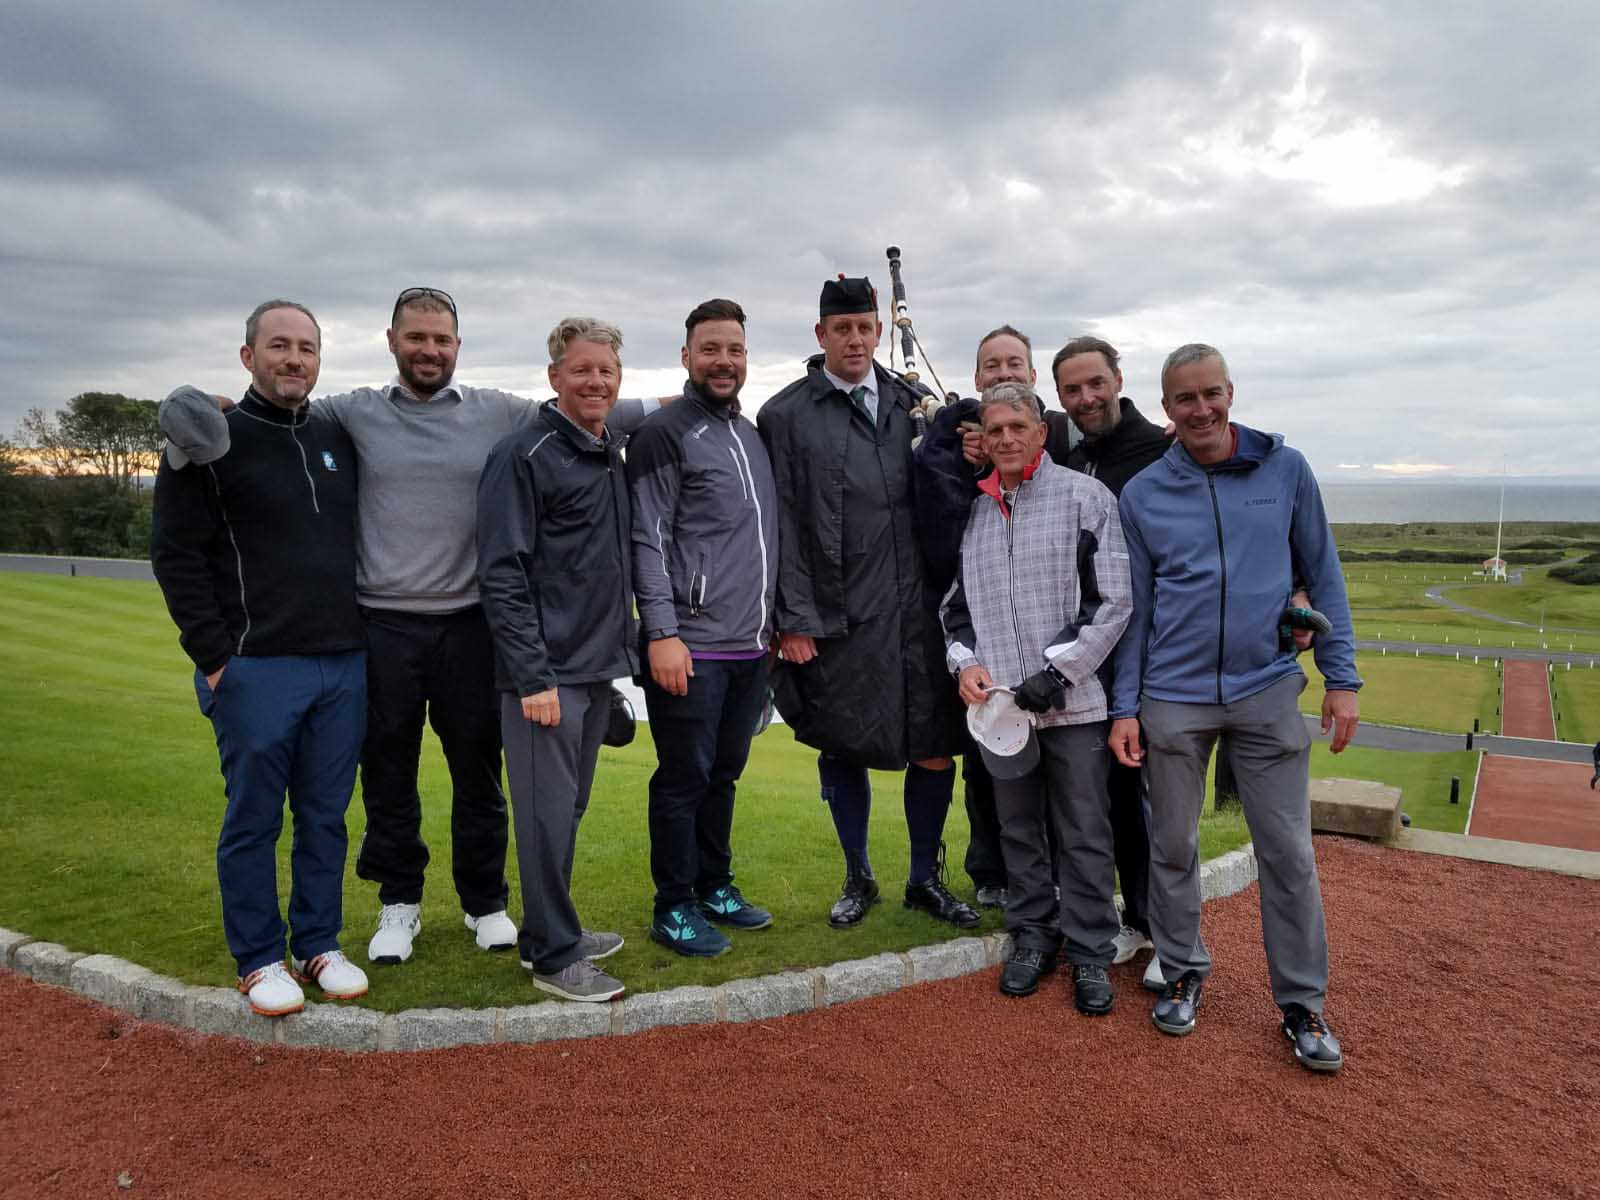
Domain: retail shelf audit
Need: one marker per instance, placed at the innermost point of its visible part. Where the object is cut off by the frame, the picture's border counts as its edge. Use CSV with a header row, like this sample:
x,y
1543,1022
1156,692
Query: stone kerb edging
x,y
137,990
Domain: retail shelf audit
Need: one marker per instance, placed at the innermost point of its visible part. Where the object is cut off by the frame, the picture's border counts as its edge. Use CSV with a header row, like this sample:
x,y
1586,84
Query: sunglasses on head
x,y
417,293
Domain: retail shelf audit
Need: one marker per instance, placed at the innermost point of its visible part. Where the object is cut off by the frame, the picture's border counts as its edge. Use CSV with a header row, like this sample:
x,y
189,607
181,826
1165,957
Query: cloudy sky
x,y
1385,215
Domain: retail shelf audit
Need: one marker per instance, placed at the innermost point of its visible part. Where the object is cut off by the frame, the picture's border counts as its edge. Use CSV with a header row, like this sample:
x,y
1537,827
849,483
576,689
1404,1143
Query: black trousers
x,y
985,864
437,667
1131,836
702,743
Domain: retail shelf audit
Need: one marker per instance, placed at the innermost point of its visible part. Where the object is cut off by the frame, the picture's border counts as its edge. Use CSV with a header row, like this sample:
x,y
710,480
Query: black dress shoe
x,y
1025,966
1091,990
860,893
933,898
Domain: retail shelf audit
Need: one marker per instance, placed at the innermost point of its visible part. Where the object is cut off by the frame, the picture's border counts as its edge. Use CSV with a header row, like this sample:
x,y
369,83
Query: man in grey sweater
x,y
421,441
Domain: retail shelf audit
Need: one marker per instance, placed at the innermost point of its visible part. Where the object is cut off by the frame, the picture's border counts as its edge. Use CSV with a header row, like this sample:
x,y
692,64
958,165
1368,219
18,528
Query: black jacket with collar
x,y
553,557
256,552
1131,446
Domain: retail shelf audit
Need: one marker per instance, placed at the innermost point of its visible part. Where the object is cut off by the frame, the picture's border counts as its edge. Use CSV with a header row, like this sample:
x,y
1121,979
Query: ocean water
x,y
1464,500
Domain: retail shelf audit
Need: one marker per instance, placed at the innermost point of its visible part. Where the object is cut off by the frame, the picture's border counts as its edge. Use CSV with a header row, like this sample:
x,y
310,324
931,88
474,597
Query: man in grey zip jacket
x,y
705,571
553,568
1039,602
1218,531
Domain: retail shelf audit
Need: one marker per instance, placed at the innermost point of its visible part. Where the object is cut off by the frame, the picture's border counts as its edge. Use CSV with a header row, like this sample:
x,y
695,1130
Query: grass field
x,y
1388,601
110,799
1423,693
1577,697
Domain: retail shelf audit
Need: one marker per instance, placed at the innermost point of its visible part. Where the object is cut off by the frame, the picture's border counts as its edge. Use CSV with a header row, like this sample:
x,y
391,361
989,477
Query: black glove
x,y
1300,618
1042,691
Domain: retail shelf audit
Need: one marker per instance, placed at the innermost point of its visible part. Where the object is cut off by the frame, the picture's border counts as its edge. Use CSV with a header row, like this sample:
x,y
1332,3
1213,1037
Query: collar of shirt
x,y
399,385
870,383
553,407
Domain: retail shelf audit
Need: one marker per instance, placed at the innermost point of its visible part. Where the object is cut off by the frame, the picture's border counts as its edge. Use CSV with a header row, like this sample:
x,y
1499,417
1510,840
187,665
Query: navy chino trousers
x,y
285,724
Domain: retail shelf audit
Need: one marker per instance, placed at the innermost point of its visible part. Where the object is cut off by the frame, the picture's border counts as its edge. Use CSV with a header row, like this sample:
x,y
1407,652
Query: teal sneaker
x,y
684,930
728,905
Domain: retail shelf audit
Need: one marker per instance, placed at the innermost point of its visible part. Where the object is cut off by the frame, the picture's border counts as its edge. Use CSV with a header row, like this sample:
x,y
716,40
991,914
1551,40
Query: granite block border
x,y
131,988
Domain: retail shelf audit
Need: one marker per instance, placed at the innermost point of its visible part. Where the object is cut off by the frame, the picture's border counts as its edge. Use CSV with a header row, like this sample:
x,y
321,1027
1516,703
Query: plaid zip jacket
x,y
1042,582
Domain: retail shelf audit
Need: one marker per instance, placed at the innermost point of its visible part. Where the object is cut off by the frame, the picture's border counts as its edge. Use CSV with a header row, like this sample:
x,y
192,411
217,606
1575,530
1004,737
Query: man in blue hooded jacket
x,y
1218,531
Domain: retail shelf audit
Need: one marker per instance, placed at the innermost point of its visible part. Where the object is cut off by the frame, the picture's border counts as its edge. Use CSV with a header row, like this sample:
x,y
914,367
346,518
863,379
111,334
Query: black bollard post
x,y
1469,739
1475,725
1455,789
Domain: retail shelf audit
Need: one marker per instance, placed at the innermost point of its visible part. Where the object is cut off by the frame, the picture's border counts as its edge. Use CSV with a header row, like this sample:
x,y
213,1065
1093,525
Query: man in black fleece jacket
x,y
254,550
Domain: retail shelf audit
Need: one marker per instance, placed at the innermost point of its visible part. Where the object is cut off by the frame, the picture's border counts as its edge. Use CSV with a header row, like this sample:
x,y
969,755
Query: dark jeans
x,y
438,666
702,741
285,723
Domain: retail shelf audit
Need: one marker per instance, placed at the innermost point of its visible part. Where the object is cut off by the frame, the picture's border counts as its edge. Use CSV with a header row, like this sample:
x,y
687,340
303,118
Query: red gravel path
x,y
1526,800
1526,703
1471,1073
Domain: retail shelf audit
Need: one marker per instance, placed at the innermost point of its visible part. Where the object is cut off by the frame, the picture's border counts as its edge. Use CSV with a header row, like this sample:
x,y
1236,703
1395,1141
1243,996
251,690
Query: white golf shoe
x,y
271,991
336,975
494,931
398,925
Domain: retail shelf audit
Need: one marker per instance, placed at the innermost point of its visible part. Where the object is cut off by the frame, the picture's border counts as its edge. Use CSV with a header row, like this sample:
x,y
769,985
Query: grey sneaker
x,y
579,980
1128,942
595,945
990,896
592,945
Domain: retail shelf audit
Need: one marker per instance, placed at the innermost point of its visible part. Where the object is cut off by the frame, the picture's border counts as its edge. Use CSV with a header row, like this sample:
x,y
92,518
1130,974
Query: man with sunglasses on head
x,y
421,442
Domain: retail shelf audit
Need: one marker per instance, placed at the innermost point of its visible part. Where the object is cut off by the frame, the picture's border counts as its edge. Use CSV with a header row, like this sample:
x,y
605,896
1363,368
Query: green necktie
x,y
859,395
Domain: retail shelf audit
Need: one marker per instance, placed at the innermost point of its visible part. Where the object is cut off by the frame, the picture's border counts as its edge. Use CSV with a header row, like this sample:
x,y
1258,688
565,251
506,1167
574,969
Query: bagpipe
x,y
930,401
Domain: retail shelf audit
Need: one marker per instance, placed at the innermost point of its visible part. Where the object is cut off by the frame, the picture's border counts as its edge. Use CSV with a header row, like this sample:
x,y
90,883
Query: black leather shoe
x,y
933,898
860,893
1315,1047
1174,1012
1092,994
1025,966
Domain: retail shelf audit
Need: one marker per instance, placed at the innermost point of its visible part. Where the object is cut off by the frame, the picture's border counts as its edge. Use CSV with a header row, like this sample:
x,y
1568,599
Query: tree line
x,y
75,481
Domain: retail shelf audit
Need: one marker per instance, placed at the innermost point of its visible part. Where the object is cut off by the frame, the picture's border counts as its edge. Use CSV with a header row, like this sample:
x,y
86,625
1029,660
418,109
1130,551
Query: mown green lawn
x,y
1422,692
1577,697
110,799
1388,601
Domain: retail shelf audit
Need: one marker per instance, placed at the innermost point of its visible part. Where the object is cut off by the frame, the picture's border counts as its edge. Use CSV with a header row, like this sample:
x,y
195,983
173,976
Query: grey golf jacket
x,y
705,527
553,562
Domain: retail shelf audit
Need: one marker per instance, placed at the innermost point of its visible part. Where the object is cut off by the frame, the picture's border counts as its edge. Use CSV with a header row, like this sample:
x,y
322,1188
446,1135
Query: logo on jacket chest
x,y
1260,501
328,460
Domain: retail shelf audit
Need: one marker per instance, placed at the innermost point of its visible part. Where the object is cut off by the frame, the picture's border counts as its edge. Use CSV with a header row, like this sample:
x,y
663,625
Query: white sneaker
x,y
336,975
272,993
1154,980
1129,941
494,930
398,924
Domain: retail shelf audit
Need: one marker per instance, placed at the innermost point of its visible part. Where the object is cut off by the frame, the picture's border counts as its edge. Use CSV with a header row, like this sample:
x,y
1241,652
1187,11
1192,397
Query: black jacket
x,y
553,557
705,527
1131,446
851,575
256,552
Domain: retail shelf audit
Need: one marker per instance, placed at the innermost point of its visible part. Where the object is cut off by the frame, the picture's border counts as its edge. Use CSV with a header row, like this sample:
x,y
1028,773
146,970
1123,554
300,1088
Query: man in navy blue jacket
x,y
1218,531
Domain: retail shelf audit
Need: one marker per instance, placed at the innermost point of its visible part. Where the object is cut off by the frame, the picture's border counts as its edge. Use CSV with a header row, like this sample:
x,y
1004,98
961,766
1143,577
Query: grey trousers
x,y
1067,790
550,771
1271,759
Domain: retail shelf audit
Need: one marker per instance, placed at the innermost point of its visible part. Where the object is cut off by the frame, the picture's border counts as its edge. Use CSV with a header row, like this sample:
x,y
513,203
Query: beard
x,y
408,376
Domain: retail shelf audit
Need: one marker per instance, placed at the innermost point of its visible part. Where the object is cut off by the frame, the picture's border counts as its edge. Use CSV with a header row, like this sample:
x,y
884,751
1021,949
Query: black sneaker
x,y
1180,1000
1025,966
860,893
1315,1047
1092,993
728,906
